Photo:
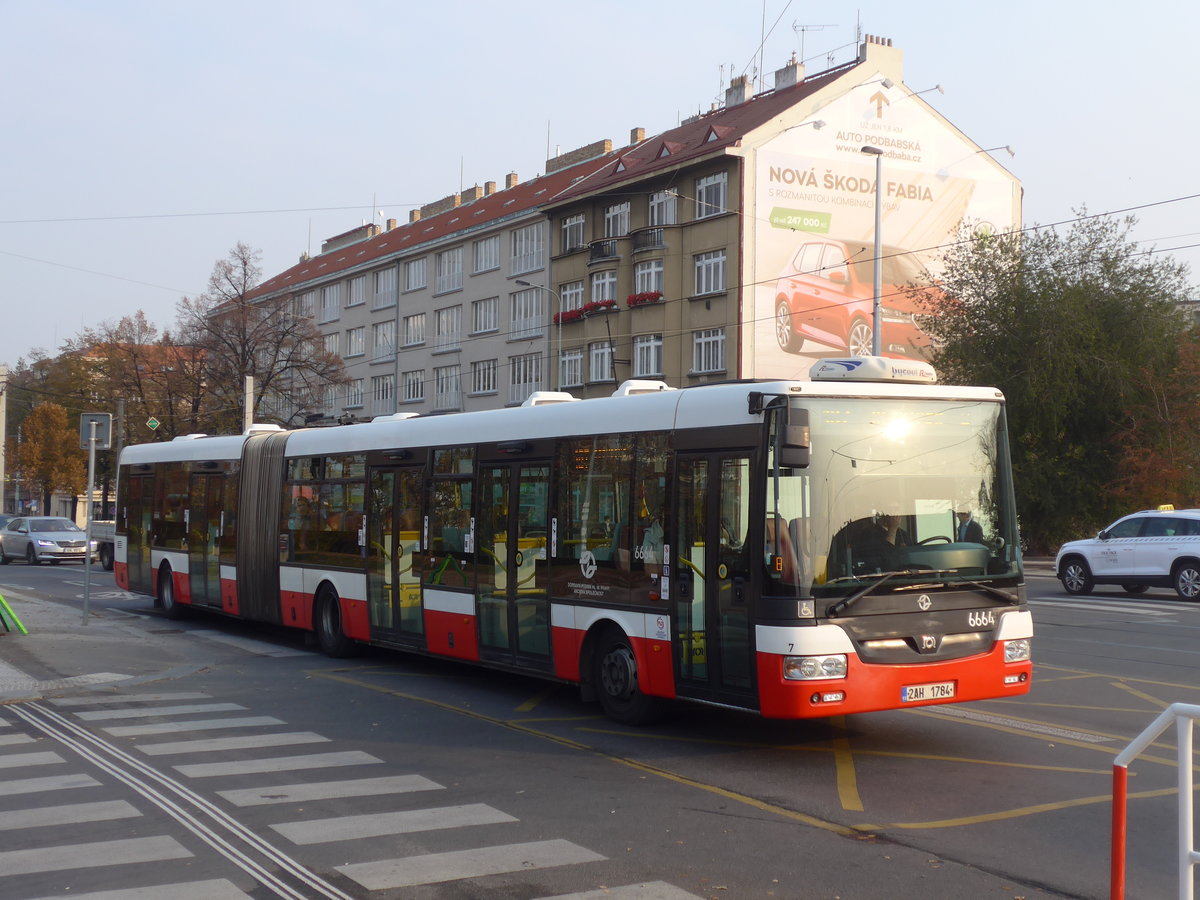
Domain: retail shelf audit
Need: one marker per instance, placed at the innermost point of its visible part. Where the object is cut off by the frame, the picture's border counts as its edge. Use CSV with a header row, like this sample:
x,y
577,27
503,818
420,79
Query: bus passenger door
x,y
204,531
512,603
393,540
139,505
711,575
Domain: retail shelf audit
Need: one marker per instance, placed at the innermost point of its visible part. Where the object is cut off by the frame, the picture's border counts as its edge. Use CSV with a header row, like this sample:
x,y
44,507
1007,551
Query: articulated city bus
x,y
798,549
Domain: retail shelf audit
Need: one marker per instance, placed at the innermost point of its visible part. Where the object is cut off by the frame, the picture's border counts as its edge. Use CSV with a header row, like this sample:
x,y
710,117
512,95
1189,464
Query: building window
x,y
487,254
306,304
449,270
570,369
414,329
711,195
356,341
414,385
710,272
648,276
447,328
483,315
571,295
527,315
383,394
331,344
414,275
525,376
447,388
600,361
356,295
661,209
331,302
483,377
604,286
647,355
527,249
572,233
354,394
385,288
708,350
383,339
616,220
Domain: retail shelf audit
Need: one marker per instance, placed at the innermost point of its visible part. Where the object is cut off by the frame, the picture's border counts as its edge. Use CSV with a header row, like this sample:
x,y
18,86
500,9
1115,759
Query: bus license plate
x,y
940,690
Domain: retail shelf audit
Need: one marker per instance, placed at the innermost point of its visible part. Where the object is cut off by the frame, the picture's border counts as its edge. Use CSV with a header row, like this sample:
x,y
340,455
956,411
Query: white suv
x,y
1153,548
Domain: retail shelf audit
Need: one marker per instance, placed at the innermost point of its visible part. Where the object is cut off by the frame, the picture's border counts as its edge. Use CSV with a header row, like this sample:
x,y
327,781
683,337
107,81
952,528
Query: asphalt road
x,y
235,758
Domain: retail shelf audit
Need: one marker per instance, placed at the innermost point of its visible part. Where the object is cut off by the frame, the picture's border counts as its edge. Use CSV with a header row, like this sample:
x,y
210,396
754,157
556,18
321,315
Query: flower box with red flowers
x,y
575,315
643,298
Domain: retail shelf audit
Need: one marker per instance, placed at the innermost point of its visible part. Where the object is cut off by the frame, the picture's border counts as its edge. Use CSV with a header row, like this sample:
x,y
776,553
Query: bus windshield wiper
x,y
994,591
883,578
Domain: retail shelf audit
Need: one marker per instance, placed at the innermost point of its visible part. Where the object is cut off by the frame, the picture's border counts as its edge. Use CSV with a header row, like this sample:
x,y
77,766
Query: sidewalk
x,y
61,652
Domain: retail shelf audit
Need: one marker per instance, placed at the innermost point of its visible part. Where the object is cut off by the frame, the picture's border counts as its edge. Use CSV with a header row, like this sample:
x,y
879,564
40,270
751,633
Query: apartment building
x,y
739,244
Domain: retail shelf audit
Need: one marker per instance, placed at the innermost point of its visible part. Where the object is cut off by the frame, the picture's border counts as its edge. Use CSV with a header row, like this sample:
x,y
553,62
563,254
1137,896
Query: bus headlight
x,y
1017,651
808,668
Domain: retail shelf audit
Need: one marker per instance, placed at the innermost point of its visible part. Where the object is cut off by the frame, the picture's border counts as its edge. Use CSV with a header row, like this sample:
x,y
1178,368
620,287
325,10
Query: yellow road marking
x,y
834,827
1141,694
843,761
532,703
1015,813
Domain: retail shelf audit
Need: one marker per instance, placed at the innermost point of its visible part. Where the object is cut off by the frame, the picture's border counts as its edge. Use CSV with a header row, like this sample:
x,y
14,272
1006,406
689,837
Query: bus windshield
x,y
915,491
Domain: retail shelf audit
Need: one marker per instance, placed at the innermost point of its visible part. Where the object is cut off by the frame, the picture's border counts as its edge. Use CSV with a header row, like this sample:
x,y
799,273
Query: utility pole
x,y
3,436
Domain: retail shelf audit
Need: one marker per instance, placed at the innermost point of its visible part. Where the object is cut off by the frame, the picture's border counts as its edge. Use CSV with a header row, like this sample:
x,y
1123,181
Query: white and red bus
x,y
799,549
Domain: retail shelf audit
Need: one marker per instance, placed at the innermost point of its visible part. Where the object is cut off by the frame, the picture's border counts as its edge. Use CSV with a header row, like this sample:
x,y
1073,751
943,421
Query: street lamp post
x,y
557,328
876,317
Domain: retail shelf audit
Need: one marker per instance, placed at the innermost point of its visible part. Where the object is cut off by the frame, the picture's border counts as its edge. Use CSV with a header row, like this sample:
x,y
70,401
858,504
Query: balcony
x,y
604,250
649,239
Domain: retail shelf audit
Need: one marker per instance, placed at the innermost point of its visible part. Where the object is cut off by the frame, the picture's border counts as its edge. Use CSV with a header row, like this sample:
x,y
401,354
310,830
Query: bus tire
x,y
615,679
327,623
106,557
167,600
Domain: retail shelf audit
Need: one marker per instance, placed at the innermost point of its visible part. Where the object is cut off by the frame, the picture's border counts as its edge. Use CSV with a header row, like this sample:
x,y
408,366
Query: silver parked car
x,y
38,539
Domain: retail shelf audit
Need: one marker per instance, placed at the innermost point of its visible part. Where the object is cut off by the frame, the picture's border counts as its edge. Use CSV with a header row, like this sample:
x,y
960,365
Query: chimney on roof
x,y
636,136
391,223
489,188
738,91
871,39
572,157
304,257
440,206
792,73
510,180
471,194
414,215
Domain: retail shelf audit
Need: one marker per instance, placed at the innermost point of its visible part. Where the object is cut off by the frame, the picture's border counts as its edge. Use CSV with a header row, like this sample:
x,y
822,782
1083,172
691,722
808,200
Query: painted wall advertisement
x,y
814,244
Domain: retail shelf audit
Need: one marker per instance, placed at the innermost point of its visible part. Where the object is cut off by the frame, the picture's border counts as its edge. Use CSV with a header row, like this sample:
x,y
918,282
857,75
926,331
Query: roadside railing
x,y
1183,715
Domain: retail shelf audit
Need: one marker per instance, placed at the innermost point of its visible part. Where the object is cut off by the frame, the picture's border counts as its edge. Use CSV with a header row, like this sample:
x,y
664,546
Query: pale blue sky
x,y
142,140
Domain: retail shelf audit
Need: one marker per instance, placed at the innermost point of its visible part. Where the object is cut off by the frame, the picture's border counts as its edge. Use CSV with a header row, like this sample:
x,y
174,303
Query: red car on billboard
x,y
827,295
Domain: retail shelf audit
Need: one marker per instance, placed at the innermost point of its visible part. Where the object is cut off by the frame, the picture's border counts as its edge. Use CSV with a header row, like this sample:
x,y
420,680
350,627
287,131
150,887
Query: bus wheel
x,y
106,557
327,621
171,607
616,680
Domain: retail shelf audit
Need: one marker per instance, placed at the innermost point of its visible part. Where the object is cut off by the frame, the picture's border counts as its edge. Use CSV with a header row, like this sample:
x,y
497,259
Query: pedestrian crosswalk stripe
x,y
1141,609
147,712
197,725
345,828
101,811
217,889
10,740
328,790
240,742
250,645
102,699
434,868
278,764
651,890
19,760
53,783
85,856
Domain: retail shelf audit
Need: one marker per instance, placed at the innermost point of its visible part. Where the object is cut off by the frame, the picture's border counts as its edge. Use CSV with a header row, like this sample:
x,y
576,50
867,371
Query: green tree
x,y
1077,328
47,458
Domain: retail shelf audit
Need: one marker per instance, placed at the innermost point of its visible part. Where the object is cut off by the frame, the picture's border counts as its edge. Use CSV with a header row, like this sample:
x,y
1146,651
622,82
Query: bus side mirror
x,y
794,453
